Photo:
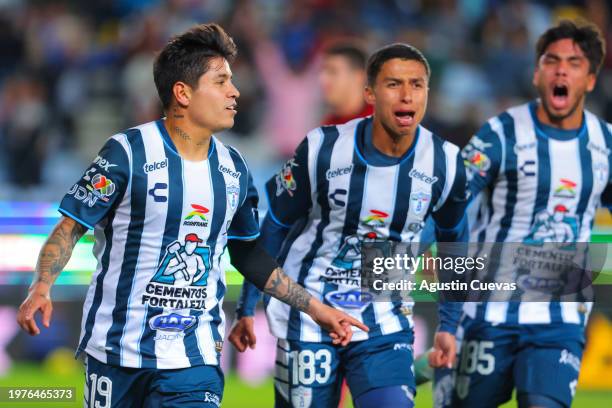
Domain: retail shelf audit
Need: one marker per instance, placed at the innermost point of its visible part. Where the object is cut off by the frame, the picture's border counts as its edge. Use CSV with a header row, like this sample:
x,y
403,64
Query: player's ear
x,y
182,93
591,80
369,96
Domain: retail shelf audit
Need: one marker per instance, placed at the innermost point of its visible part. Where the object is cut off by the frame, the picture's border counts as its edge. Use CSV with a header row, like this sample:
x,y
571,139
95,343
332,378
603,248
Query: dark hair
x,y
586,35
397,50
355,56
187,56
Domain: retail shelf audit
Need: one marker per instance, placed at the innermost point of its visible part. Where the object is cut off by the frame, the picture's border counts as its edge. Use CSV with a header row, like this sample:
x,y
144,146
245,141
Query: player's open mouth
x,y
233,107
560,96
405,117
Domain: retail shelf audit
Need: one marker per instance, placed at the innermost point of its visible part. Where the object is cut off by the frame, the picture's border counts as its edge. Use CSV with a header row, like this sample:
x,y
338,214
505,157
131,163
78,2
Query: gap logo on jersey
x,y
181,278
172,325
352,299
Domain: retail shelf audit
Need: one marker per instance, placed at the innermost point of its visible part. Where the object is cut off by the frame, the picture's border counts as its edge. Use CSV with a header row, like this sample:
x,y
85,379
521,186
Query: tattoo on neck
x,y
286,290
177,114
182,133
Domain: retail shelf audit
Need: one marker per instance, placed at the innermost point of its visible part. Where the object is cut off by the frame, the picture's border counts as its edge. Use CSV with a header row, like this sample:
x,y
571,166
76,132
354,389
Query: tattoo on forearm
x,y
56,252
182,133
288,291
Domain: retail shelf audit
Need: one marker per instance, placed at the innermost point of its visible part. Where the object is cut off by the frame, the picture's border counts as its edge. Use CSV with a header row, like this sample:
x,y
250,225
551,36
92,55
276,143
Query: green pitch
x,y
238,394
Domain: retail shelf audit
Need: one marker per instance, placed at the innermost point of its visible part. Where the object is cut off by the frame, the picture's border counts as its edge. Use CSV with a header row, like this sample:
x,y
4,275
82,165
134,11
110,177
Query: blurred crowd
x,y
74,72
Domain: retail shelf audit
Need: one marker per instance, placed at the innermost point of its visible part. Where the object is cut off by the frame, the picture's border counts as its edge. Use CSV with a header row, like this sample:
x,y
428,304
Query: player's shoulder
x,y
232,152
336,131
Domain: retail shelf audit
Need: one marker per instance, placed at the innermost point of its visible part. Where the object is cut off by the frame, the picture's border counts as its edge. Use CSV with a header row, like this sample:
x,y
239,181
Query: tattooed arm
x,y
52,259
336,322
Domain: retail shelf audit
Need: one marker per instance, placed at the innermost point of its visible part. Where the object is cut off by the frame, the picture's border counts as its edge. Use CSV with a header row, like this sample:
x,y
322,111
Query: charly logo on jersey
x,y
352,299
528,168
103,163
375,218
197,216
285,180
181,277
566,189
419,202
340,171
228,171
232,192
419,175
558,227
158,192
155,165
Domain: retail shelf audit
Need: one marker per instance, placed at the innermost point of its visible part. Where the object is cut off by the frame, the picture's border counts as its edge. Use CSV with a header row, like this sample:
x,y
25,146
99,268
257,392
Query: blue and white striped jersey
x,y
332,196
538,184
161,224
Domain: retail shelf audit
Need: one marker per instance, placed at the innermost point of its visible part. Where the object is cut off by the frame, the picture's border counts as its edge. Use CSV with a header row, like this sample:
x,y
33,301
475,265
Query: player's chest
x,y
561,169
185,195
378,195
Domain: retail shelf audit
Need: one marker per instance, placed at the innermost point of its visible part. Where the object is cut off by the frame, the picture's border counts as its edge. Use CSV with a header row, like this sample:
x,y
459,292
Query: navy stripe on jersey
x,y
439,170
543,190
402,201
128,267
330,135
586,161
171,233
97,300
511,175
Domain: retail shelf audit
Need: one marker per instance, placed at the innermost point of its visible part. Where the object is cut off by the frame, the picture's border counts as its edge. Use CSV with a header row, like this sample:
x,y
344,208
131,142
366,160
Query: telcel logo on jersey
x,y
197,217
416,174
156,165
341,171
228,171
353,299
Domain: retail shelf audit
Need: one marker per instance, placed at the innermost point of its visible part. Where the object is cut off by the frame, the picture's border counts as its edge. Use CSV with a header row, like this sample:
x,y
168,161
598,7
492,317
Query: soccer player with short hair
x,y
375,178
544,166
164,200
342,79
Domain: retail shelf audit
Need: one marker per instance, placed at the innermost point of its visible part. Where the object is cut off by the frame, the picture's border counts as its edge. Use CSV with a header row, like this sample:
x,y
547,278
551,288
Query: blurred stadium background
x,y
73,73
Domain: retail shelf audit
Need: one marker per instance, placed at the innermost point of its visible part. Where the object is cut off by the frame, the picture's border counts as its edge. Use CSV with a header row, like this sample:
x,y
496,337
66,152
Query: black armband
x,y
252,261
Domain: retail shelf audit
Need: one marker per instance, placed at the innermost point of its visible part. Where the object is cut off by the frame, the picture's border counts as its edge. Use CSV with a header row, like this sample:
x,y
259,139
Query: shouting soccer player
x,y
544,166
164,199
373,178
